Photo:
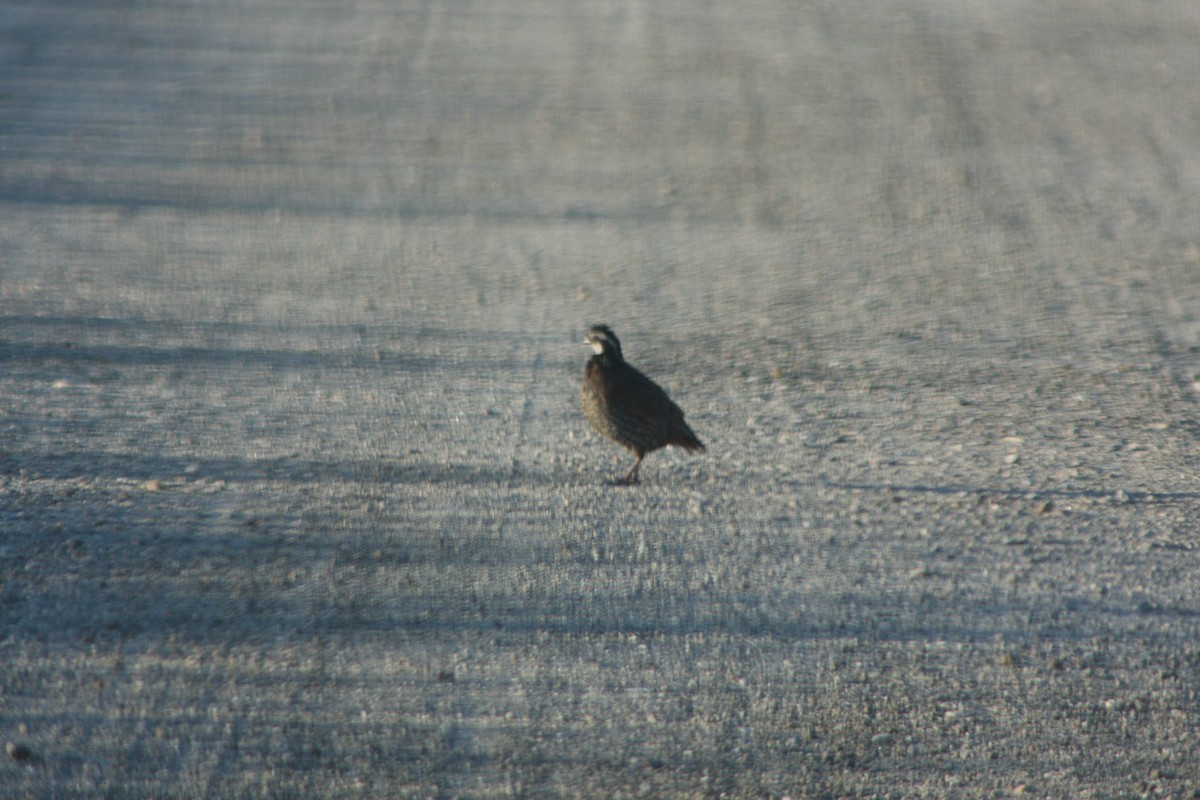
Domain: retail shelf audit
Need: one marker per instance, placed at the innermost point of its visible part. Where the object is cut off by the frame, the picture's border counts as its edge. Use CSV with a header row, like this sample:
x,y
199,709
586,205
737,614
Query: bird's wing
x,y
644,398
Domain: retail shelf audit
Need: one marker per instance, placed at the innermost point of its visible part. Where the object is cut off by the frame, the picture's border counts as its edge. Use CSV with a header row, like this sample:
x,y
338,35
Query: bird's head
x,y
604,341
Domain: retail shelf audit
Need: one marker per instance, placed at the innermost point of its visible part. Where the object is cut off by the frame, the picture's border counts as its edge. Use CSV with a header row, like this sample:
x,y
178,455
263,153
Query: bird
x,y
627,407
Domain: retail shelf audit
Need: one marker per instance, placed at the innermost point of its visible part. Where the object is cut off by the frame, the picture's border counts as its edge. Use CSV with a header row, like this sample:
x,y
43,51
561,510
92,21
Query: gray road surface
x,y
296,499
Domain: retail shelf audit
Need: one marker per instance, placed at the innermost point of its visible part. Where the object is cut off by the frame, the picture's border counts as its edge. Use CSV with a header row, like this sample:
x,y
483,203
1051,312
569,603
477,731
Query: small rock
x,y
21,753
153,485
1045,507
1009,659
446,676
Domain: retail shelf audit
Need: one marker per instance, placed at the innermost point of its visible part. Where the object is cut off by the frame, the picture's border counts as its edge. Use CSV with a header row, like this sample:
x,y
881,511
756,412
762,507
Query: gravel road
x,y
296,498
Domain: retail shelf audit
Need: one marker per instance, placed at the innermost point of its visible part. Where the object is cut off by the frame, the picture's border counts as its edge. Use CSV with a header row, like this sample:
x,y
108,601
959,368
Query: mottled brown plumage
x,y
626,406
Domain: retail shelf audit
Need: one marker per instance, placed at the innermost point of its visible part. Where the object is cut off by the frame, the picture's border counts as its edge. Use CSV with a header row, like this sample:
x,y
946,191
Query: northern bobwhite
x,y
626,406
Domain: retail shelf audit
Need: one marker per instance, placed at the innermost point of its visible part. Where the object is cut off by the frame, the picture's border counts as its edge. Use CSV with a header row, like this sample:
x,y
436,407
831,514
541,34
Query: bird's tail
x,y
682,436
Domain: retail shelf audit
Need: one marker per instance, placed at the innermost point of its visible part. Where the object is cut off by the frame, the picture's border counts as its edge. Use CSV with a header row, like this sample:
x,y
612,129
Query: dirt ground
x,y
296,498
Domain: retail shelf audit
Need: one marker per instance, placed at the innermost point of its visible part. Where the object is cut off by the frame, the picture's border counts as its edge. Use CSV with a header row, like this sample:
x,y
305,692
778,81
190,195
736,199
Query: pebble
x,y
21,753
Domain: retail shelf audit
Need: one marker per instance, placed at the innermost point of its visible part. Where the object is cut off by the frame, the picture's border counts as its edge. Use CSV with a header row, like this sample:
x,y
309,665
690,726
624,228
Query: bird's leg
x,y
631,478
